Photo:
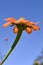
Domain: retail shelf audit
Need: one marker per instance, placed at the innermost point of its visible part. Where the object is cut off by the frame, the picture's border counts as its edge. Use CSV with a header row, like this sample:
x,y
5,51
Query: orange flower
x,y
21,22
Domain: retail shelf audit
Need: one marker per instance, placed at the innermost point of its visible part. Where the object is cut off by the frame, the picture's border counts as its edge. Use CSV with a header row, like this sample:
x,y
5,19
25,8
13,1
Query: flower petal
x,y
28,30
15,29
30,24
12,20
35,28
6,24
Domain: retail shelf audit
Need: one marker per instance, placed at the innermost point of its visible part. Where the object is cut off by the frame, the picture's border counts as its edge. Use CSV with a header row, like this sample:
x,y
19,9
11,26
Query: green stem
x,y
13,45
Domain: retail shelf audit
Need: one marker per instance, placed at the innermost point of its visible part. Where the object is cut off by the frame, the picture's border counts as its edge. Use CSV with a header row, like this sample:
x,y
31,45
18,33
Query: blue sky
x,y
29,46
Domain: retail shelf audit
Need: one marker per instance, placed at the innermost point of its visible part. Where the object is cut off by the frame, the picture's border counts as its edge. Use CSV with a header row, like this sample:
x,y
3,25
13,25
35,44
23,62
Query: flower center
x,y
21,26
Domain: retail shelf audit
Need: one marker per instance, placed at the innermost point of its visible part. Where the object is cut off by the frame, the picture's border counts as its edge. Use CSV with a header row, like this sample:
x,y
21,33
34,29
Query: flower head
x,y
26,25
